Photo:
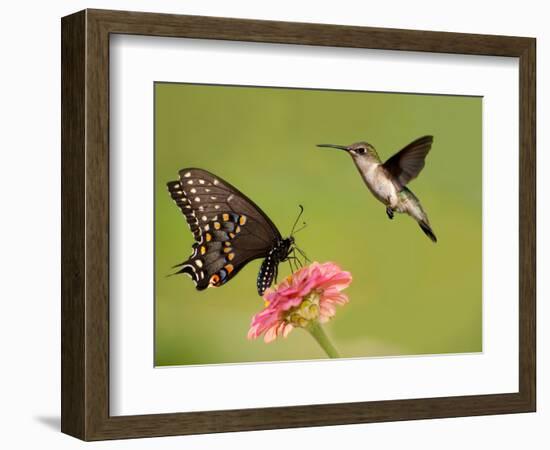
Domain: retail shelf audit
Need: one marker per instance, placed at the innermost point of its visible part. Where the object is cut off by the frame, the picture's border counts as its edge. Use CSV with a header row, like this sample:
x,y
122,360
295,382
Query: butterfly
x,y
230,230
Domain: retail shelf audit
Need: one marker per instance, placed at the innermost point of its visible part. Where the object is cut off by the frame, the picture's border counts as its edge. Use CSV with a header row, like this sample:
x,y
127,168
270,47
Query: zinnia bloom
x,y
308,296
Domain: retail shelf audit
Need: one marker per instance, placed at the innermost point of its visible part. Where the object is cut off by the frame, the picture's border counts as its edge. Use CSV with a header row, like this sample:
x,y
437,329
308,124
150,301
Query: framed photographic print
x,y
270,224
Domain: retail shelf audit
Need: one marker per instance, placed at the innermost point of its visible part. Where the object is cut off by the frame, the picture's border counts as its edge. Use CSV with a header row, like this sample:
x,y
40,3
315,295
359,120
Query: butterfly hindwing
x,y
229,229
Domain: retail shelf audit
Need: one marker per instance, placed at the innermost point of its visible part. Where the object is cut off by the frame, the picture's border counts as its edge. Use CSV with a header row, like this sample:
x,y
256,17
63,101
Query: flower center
x,y
305,312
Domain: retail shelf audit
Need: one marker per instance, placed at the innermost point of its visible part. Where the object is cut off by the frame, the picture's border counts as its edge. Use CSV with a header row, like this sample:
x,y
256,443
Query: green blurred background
x,y
408,296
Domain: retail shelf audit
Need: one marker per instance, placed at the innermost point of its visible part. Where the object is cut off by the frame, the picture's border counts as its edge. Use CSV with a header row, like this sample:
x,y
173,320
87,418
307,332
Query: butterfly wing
x,y
230,230
406,164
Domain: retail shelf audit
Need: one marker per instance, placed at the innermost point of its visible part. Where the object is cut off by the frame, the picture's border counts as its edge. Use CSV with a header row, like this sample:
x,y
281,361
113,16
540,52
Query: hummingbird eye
x,y
361,150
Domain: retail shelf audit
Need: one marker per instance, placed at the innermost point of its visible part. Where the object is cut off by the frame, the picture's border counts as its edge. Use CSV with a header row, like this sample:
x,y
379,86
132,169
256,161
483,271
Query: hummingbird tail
x,y
427,230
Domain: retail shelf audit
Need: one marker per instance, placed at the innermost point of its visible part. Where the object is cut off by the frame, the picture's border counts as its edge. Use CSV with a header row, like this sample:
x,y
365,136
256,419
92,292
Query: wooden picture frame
x,y
85,224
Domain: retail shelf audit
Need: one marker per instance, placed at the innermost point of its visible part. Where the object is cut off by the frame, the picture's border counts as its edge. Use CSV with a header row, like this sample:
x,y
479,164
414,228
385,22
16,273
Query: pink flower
x,y
310,294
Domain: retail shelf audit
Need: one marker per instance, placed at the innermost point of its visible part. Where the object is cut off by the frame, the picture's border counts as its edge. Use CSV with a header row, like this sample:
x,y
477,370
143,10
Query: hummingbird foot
x,y
389,212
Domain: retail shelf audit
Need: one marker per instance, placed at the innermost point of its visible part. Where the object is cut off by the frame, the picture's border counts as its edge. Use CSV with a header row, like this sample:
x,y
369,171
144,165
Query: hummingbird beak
x,y
340,147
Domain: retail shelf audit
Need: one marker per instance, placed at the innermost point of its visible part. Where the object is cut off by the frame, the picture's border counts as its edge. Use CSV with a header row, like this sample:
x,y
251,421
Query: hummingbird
x,y
388,181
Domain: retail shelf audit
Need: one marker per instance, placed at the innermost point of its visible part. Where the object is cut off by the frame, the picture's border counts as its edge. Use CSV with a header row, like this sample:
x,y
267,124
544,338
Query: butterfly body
x,y
387,181
229,229
269,268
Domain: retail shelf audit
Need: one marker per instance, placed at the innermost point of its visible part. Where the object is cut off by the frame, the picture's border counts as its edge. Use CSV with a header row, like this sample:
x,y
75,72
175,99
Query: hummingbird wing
x,y
406,164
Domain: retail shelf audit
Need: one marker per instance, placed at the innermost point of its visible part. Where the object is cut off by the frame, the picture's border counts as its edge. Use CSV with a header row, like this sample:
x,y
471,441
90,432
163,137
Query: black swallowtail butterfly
x,y
230,230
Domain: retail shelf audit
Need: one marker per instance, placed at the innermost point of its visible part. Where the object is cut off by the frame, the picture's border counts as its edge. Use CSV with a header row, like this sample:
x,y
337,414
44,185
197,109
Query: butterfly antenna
x,y
304,225
297,219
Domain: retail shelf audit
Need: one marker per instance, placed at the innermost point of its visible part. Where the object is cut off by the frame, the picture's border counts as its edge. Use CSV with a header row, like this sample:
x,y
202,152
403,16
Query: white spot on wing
x,y
187,273
187,174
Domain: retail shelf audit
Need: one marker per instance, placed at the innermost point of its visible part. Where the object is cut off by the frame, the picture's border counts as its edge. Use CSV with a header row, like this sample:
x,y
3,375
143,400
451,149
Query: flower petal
x,y
288,328
283,301
270,335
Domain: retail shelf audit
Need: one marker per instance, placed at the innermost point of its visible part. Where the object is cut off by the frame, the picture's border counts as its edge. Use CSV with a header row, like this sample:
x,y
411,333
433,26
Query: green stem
x,y
322,339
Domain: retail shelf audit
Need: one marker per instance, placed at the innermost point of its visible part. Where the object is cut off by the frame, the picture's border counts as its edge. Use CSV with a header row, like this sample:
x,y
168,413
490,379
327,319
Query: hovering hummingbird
x,y
387,181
